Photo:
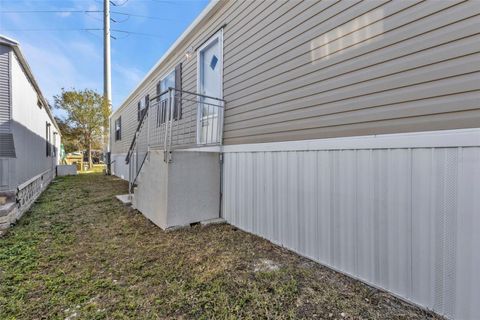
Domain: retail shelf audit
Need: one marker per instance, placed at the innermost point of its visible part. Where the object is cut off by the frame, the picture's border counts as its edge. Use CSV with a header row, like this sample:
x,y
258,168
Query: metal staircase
x,y
174,119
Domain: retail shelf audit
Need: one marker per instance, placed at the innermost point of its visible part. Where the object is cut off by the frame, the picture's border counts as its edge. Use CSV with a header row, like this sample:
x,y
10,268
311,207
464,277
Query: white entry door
x,y
210,84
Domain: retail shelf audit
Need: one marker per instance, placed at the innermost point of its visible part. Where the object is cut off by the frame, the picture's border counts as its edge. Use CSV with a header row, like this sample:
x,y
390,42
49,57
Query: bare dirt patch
x,y
80,254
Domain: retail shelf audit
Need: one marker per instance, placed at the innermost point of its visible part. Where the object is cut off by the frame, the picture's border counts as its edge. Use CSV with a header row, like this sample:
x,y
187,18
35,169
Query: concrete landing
x,y
126,199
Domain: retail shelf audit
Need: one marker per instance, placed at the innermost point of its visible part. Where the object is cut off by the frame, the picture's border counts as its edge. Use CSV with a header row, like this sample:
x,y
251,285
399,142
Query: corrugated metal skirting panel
x,y
406,220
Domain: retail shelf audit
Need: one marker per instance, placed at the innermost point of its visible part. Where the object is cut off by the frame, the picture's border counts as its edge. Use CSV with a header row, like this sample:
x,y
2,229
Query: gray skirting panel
x,y
406,220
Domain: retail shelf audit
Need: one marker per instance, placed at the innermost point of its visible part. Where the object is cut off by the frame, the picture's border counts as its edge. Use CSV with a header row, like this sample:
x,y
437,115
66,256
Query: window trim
x,y
118,132
161,110
145,102
217,35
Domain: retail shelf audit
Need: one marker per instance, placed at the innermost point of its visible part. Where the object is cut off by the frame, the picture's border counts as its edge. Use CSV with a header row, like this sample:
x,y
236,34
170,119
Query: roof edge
x,y
14,44
209,8
8,41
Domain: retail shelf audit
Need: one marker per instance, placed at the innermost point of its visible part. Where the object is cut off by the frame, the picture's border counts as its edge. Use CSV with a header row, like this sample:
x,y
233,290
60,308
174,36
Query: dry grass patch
x,y
79,254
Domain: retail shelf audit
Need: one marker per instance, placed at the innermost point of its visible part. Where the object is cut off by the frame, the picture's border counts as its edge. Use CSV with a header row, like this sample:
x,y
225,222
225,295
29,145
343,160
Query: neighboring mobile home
x,y
29,135
347,131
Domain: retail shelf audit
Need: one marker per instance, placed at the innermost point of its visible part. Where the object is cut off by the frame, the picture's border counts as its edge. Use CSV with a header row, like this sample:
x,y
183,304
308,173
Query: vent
x,y
7,147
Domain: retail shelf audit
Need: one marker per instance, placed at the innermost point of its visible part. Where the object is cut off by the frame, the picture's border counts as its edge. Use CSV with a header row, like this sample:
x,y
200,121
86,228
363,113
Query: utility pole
x,y
107,71
107,84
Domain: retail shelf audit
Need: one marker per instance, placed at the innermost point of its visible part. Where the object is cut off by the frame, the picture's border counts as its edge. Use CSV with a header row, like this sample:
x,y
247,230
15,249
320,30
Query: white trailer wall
x,y
28,126
403,219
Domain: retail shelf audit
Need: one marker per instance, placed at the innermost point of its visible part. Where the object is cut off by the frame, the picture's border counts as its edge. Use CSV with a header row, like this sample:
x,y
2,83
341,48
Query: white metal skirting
x,y
119,167
406,220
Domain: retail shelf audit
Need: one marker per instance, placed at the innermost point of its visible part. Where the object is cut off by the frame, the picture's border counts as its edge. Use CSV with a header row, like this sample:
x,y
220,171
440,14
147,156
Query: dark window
x,y
213,62
142,106
47,140
118,129
177,114
139,110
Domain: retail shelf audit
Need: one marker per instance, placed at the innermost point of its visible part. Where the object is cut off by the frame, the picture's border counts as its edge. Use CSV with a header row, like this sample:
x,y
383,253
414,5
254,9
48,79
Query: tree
x,y
71,137
87,117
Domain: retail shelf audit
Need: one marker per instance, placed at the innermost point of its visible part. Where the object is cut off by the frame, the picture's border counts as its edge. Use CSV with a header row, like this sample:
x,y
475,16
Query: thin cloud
x,y
64,14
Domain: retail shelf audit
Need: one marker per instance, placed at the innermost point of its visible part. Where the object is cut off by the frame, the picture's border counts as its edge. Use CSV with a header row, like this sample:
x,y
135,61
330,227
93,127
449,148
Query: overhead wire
x,y
89,14
83,11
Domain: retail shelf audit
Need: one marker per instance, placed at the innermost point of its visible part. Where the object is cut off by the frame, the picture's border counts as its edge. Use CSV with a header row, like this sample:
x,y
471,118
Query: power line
x,y
53,29
84,29
137,33
49,11
86,12
140,16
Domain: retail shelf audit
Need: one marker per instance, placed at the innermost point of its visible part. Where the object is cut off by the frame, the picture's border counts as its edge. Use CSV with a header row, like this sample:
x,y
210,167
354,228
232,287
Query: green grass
x,y
78,253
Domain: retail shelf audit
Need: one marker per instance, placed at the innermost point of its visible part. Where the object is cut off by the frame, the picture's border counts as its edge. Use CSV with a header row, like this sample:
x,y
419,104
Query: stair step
x,y
8,212
6,208
212,221
126,199
7,196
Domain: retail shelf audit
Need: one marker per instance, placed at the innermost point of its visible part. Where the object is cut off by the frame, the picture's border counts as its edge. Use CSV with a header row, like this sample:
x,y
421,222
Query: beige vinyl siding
x,y
316,69
355,68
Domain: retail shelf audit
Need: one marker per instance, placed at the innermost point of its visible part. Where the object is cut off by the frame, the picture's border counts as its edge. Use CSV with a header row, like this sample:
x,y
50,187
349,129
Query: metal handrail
x,y
139,126
140,123
187,92
173,118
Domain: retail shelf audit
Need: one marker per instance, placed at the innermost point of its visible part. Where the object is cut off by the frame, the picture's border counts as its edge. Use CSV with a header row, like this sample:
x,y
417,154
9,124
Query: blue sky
x,y
74,58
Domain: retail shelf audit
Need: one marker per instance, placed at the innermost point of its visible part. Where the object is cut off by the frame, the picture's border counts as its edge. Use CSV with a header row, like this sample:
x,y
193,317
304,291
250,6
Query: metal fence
x,y
175,119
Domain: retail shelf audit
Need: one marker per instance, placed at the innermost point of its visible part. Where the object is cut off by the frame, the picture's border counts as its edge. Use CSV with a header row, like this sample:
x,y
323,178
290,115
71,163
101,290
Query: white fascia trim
x,y
8,41
195,22
428,139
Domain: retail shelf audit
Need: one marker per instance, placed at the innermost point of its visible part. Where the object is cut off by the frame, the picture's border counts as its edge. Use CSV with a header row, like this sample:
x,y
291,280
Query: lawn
x,y
79,254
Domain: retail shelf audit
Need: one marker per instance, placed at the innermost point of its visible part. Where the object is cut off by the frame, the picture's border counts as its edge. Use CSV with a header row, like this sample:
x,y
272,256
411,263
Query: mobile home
x,y
29,135
346,131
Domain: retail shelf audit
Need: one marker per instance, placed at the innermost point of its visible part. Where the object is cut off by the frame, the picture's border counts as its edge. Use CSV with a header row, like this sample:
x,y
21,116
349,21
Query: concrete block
x,y
184,191
212,221
66,170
